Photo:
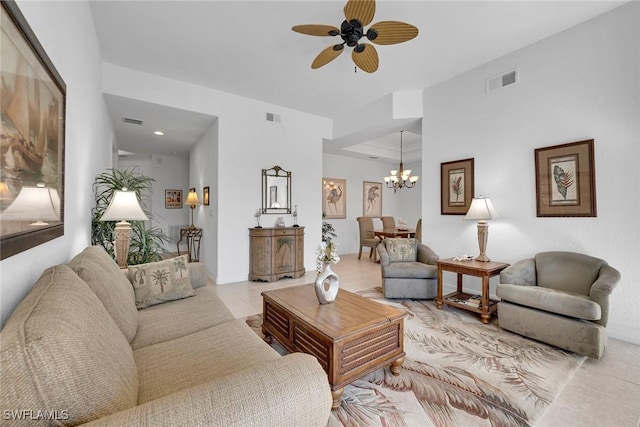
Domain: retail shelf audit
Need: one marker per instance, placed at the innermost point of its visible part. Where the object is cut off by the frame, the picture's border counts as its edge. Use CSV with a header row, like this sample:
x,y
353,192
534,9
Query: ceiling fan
x,y
359,14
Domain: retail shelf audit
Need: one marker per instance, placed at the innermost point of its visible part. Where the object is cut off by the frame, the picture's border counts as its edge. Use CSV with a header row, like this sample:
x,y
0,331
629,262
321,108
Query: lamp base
x,y
123,238
483,236
482,258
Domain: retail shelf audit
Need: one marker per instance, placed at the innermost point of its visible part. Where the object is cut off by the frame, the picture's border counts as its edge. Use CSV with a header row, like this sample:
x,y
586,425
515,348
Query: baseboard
x,y
624,333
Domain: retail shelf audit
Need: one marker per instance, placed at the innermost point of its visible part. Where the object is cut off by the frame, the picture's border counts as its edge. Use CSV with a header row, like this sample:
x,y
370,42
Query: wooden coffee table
x,y
350,338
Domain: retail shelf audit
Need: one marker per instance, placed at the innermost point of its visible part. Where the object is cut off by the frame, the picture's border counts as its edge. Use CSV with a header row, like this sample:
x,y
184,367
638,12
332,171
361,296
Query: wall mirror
x,y
276,191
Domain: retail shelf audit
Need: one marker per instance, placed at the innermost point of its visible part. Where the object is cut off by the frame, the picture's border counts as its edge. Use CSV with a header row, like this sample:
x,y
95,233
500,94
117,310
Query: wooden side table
x,y
192,235
485,270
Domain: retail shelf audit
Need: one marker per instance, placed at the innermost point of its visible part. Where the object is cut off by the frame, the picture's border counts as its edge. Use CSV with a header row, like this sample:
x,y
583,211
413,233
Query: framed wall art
x,y
456,187
372,199
205,196
173,199
33,138
565,180
334,198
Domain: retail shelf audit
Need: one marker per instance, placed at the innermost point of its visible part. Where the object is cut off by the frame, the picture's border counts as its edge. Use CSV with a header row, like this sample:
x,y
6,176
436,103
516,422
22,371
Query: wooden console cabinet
x,y
275,253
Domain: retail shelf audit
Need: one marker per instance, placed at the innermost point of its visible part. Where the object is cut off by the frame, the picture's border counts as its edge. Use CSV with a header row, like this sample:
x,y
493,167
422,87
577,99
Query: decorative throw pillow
x,y
402,249
162,281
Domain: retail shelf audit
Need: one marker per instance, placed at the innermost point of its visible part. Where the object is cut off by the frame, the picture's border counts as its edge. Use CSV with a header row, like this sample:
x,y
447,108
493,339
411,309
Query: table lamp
x,y
482,209
123,206
192,201
39,204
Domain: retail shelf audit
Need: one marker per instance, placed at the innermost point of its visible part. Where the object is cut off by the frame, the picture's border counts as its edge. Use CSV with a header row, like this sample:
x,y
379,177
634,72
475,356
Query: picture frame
x,y
334,198
372,199
456,186
173,199
565,180
33,128
205,196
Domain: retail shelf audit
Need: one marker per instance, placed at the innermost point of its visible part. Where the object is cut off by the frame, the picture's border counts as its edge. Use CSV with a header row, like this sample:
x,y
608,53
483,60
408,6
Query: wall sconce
x,y
482,209
192,201
123,206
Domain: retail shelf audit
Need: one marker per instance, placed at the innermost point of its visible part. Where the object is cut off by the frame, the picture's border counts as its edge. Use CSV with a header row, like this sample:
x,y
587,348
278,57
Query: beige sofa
x,y
76,350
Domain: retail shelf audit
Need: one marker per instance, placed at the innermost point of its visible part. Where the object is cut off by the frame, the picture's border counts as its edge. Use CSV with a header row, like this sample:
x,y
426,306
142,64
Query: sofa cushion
x,y
410,270
176,319
171,366
162,281
62,351
558,302
401,249
96,267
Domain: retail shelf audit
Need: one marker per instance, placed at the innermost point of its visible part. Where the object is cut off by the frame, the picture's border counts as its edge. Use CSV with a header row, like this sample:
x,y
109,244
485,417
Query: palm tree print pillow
x,y
402,249
162,281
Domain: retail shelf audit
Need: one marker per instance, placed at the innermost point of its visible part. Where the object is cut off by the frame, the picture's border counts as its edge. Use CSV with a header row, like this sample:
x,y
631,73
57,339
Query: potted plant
x,y
147,243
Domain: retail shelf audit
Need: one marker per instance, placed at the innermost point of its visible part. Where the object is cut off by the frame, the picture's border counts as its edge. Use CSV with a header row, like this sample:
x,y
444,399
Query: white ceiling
x,y
248,48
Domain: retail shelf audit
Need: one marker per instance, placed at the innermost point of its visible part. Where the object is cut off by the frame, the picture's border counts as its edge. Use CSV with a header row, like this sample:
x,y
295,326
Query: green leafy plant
x,y
146,242
328,232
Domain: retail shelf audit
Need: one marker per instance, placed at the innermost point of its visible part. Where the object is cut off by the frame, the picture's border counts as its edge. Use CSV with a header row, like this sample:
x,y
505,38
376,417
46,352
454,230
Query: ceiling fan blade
x,y
392,32
326,56
362,10
316,30
366,60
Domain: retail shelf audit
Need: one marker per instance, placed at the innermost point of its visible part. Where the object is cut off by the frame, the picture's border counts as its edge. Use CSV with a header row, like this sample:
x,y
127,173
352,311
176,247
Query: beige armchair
x,y
408,269
367,238
560,298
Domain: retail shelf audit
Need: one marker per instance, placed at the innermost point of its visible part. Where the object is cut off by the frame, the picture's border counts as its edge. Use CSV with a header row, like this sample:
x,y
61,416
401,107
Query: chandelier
x,y
401,178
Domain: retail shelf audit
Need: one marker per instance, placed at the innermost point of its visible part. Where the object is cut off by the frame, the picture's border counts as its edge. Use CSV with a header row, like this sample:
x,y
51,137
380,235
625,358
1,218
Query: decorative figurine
x,y
257,215
295,216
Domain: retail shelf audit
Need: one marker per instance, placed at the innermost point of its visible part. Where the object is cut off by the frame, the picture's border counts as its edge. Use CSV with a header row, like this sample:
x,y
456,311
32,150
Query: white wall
x,y
405,203
72,46
580,84
246,143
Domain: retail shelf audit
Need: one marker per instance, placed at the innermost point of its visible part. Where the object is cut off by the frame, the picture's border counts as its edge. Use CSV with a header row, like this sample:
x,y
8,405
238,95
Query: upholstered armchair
x,y
408,269
560,298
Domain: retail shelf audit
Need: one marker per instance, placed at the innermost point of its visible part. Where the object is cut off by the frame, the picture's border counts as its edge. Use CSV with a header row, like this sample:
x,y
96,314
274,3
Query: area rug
x,y
457,372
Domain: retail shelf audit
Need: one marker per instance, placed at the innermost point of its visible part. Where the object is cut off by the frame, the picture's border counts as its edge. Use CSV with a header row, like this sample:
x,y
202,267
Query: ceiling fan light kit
x,y
358,14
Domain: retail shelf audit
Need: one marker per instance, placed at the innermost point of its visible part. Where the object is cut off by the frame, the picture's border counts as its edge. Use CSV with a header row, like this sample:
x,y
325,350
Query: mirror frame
x,y
275,172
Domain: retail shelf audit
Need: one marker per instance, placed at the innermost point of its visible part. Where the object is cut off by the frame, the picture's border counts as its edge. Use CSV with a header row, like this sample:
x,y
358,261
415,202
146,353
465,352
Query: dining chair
x,y
419,230
367,238
388,222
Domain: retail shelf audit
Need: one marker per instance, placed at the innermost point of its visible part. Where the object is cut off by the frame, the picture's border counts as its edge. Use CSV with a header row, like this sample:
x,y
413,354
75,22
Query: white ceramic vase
x,y
327,276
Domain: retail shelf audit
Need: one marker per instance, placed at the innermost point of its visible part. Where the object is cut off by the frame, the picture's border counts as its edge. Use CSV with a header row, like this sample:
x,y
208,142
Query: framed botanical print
x,y
334,198
372,199
33,139
456,186
565,180
205,196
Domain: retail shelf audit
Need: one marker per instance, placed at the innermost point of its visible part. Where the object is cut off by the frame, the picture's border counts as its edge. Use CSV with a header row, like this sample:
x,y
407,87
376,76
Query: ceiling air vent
x,y
502,80
132,121
271,117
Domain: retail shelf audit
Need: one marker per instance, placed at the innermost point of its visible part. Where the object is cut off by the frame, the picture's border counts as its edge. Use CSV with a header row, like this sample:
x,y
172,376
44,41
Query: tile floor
x,y
602,393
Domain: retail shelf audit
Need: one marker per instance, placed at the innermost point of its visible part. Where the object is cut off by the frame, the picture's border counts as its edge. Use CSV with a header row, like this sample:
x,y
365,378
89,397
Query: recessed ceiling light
x,y
158,133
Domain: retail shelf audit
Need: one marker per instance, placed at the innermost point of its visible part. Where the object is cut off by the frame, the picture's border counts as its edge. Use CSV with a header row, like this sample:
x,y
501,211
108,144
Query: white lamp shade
x,y
481,209
124,206
34,203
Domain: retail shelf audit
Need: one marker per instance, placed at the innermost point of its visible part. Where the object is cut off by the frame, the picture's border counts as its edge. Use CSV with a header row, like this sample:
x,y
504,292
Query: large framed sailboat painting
x,y
32,145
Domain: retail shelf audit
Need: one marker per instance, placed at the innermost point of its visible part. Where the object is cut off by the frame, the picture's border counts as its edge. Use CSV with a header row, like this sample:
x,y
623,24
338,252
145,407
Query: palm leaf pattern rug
x,y
457,372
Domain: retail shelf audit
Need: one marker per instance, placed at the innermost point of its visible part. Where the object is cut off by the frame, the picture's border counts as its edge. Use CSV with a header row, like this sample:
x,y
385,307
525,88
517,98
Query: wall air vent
x,y
132,121
502,80
272,117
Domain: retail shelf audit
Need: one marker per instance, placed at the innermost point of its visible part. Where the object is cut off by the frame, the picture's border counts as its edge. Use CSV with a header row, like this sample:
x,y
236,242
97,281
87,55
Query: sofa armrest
x,y
521,273
291,390
602,288
426,255
384,255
